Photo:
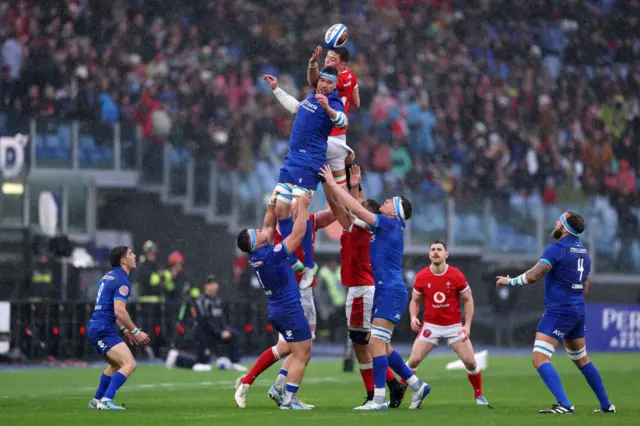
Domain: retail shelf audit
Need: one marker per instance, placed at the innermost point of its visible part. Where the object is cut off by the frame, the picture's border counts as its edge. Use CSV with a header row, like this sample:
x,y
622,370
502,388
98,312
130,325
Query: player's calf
x,y
577,352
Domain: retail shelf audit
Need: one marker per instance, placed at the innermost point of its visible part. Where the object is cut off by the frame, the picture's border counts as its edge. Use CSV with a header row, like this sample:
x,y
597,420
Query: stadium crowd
x,y
529,103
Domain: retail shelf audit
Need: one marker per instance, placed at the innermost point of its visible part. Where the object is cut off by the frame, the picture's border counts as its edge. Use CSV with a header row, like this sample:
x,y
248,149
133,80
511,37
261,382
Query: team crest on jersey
x,y
278,247
448,284
429,285
426,333
123,290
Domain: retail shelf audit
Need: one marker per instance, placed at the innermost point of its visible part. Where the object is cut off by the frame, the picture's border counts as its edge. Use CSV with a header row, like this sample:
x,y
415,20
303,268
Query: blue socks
x,y
380,365
307,246
117,381
592,375
551,378
103,386
290,393
397,364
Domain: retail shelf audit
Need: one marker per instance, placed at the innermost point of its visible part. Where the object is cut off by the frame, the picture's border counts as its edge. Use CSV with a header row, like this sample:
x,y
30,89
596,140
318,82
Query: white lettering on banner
x,y
16,145
627,324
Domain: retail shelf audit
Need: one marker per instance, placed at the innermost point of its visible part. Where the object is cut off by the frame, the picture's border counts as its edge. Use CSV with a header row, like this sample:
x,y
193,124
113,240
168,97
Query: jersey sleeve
x,y
336,104
355,80
280,252
551,255
462,284
121,290
384,223
314,223
418,286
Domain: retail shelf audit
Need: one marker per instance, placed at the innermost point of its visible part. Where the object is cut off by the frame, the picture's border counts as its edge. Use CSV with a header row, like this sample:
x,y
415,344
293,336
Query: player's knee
x,y
359,337
579,357
471,366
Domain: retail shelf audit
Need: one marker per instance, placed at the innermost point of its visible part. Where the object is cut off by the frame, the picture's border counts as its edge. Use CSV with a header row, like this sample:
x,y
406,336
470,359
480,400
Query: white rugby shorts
x,y
359,307
309,307
433,333
337,152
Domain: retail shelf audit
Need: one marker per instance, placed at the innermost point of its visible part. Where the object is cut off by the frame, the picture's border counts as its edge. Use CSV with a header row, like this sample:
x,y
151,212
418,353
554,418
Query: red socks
x,y
266,360
476,382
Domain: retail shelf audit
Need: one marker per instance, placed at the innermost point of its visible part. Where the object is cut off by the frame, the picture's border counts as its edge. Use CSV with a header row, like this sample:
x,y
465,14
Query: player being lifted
x,y
565,266
285,312
443,287
337,149
390,298
357,276
316,116
109,312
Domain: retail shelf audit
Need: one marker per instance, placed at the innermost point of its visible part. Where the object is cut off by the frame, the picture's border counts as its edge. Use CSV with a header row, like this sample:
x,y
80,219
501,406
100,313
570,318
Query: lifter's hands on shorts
x,y
326,173
304,201
416,324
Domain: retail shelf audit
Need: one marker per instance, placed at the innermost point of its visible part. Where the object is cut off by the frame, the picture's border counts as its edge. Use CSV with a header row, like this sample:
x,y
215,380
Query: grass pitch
x,y
155,396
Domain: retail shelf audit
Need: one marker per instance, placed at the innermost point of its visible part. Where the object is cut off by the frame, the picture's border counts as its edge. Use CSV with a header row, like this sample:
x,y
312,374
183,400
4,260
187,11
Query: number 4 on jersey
x,y
581,267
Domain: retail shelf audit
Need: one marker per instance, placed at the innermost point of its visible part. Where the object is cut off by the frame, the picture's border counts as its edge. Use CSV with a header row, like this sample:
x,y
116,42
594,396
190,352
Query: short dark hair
x,y
244,242
575,221
343,52
330,70
116,254
372,205
406,207
439,242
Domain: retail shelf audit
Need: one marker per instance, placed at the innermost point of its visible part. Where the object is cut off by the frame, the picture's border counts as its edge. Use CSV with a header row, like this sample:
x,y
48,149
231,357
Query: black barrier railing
x,y
59,330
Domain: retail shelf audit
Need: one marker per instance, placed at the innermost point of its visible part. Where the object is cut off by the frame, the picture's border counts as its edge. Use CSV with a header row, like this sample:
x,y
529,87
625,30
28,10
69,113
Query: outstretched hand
x,y
273,81
326,173
501,281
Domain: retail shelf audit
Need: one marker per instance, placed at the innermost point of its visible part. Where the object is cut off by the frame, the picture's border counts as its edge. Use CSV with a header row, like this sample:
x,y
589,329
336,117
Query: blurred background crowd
x,y
532,104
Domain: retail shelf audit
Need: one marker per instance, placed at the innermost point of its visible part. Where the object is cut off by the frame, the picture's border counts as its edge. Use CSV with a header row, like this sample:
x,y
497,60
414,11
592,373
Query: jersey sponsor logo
x,y
577,286
347,84
558,333
439,297
109,277
309,106
123,290
259,263
578,250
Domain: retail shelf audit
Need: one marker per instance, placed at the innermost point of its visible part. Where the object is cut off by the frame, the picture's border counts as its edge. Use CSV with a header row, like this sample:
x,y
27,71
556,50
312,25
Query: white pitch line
x,y
175,386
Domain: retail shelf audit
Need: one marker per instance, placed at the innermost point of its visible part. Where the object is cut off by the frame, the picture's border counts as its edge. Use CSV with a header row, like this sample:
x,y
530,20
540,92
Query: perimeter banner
x,y
613,328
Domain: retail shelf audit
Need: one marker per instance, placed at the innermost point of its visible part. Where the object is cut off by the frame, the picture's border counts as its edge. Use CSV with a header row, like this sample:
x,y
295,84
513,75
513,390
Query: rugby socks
x,y
266,360
116,383
307,246
551,378
290,393
366,371
392,382
103,386
380,366
592,375
398,365
475,378
281,379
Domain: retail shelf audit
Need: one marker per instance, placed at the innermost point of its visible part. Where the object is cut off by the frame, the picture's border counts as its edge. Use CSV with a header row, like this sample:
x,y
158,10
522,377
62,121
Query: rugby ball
x,y
336,36
223,363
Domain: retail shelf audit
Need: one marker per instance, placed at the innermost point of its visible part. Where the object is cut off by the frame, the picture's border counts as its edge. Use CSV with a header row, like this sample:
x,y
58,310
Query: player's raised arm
x,y
120,309
269,222
313,71
325,218
355,99
355,179
288,102
335,110
338,210
292,242
349,202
